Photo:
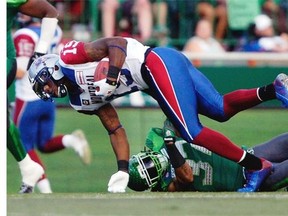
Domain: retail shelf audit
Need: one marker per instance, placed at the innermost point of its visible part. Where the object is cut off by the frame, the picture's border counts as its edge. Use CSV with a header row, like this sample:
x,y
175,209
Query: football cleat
x,y
24,188
255,178
81,147
281,88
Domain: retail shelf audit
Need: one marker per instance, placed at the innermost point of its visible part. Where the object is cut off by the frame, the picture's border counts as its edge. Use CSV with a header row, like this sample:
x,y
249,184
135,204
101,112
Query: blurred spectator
x,y
203,41
216,12
71,10
283,16
183,17
277,10
141,8
261,37
222,19
160,12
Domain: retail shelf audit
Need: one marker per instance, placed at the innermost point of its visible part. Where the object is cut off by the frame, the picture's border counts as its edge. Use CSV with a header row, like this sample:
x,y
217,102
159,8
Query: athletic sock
x,y
240,100
30,170
267,92
219,144
54,144
251,162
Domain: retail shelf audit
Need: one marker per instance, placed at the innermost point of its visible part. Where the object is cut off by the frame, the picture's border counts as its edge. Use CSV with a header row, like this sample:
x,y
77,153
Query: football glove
x,y
33,57
169,132
103,89
118,182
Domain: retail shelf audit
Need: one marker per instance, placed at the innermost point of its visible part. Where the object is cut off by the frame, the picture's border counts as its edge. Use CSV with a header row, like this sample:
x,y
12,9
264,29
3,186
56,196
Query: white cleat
x,y
281,88
82,147
44,186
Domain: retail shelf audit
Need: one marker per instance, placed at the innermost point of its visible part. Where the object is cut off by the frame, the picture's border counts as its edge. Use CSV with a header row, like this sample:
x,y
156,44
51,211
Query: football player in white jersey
x,y
36,131
181,91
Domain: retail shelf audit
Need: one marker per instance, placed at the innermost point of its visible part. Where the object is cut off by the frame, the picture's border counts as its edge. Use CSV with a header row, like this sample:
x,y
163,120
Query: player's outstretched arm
x,y
118,138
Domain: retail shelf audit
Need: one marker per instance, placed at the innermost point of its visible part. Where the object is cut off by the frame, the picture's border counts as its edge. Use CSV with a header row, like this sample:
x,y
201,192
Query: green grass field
x,y
81,190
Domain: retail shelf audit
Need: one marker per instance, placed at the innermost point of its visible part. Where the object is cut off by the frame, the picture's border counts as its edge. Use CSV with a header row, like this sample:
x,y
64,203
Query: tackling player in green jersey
x,y
30,170
194,168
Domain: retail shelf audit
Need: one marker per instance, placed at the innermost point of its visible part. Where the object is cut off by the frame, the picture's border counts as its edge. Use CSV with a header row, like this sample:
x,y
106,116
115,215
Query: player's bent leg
x,y
78,142
254,178
281,88
14,143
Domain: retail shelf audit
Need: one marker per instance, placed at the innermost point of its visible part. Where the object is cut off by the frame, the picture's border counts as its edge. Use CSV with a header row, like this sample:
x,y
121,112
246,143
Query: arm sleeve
x,y
48,28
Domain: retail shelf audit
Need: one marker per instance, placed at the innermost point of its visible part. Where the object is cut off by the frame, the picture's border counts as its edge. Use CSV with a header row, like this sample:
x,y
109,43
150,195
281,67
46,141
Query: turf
x,y
81,190
142,204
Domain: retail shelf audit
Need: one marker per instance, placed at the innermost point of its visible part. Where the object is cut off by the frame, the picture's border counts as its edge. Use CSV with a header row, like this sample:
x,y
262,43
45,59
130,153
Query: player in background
x,y
30,170
196,168
182,92
34,117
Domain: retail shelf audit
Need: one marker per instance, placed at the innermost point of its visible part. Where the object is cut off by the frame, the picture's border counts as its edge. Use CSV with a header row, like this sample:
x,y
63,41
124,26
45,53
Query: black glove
x,y
33,57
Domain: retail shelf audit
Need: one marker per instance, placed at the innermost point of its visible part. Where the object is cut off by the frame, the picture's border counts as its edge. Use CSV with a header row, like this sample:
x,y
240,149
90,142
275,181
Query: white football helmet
x,y
43,69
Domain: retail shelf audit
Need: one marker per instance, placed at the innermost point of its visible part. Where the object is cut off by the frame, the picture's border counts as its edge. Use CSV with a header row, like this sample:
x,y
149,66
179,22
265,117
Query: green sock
x,y
280,184
14,143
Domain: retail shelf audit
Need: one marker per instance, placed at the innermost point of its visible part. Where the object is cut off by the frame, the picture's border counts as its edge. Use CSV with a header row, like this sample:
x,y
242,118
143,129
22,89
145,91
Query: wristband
x,y
113,72
176,158
169,139
122,165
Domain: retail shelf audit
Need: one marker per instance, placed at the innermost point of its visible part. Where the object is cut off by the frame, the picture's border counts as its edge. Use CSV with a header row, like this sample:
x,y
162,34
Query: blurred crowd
x,y
188,25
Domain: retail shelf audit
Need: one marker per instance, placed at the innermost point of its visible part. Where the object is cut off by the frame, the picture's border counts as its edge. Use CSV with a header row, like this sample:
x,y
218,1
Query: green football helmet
x,y
145,169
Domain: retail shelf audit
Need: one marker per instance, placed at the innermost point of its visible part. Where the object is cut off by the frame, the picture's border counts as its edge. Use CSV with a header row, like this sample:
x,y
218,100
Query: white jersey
x,y
25,40
83,75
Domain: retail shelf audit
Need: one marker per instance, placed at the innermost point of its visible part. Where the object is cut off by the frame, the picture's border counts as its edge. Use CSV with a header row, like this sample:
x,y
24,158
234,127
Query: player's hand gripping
x,y
103,89
118,182
33,57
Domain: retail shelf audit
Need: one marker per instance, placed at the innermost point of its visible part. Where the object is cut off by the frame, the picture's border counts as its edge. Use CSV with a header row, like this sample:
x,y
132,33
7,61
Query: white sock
x,y
25,162
30,171
44,186
68,140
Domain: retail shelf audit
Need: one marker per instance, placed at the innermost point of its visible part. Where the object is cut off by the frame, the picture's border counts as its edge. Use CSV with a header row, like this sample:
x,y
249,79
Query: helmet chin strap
x,y
62,91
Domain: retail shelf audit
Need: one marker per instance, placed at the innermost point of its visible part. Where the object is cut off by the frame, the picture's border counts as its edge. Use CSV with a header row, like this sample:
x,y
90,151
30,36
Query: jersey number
x,y
198,166
70,47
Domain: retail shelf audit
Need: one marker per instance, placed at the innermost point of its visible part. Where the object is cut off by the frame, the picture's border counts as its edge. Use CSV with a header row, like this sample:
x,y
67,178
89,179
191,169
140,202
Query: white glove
x,y
118,182
103,89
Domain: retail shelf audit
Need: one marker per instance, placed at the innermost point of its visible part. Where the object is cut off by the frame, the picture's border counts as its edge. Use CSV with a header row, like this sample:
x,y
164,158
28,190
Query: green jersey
x,y
12,10
210,171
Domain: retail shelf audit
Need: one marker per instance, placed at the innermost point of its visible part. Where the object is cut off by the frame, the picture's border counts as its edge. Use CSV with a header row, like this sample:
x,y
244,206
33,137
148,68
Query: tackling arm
x,y
183,172
41,9
184,176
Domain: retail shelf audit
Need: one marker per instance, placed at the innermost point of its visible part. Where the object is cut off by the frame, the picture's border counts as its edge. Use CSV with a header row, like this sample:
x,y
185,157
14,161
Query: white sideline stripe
x,y
238,56
148,195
